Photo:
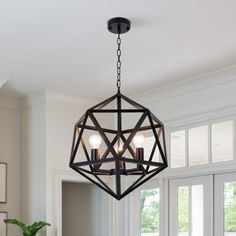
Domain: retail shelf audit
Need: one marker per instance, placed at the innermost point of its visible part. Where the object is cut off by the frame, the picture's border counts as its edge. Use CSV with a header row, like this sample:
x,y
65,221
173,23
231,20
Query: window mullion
x,y
209,144
234,140
187,148
190,210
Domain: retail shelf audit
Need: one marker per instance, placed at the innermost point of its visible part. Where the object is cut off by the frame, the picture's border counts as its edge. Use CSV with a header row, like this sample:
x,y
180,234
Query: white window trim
x,y
190,171
134,206
219,200
207,182
186,128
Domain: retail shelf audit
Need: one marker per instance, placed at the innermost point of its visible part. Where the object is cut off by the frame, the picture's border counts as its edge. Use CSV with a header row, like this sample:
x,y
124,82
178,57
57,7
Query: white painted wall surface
x,y
62,113
211,92
9,153
47,121
33,159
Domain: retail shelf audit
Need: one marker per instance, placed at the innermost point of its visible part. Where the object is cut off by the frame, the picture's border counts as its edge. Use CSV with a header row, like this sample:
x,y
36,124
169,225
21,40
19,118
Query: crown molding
x,y
44,96
2,82
213,79
33,99
209,116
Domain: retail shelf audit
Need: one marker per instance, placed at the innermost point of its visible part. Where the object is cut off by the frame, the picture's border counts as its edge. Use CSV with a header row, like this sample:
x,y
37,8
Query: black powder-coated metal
x,y
139,155
118,25
93,167
114,161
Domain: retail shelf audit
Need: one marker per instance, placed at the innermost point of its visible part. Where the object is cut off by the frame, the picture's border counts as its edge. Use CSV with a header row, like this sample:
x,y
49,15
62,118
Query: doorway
x,y
81,207
203,206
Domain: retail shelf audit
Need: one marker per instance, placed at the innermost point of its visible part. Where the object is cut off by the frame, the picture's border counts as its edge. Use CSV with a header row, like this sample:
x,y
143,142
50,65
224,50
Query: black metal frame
x,y
95,166
118,25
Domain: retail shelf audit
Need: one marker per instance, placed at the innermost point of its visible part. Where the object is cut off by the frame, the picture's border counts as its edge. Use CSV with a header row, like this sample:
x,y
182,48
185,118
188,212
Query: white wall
x,y
211,92
33,158
47,122
9,153
62,114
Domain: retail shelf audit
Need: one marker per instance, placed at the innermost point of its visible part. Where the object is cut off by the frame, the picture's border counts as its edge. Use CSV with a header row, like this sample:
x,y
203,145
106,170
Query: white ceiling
x,y
64,46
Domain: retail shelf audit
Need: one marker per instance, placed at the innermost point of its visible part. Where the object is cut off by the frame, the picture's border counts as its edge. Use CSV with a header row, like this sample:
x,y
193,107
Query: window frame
x,y
233,141
207,182
185,151
168,174
189,126
134,206
220,180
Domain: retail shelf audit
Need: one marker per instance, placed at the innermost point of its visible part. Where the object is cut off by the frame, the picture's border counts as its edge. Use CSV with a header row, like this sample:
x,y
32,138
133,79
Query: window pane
x,y
230,209
178,149
197,210
198,145
183,211
222,141
150,212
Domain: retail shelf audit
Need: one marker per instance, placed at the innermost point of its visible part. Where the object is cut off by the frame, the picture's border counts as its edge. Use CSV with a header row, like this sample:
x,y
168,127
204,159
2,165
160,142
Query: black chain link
x,y
118,52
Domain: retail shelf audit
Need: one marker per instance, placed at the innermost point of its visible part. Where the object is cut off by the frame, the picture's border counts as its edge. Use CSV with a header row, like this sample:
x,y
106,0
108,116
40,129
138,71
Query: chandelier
x,y
118,144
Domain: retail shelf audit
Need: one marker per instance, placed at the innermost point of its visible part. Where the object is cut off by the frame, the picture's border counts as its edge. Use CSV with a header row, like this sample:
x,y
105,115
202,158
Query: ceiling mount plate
x,y
118,25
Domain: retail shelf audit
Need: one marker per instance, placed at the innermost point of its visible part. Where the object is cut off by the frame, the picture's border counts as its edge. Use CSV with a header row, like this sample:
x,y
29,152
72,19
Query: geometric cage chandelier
x,y
118,144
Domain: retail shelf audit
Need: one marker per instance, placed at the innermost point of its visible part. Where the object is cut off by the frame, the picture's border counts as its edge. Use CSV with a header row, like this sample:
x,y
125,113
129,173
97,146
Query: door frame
x,y
207,182
219,181
67,176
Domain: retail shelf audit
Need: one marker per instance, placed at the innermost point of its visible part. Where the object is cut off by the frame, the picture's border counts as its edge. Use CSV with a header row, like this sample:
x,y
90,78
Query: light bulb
x,y
95,141
118,148
138,140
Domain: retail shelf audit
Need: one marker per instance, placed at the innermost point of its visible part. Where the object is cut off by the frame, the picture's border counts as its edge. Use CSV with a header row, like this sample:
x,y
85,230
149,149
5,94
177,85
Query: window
x,y
145,210
197,210
194,208
190,199
150,212
203,147
225,204
198,145
197,206
183,210
230,208
178,149
222,141
190,206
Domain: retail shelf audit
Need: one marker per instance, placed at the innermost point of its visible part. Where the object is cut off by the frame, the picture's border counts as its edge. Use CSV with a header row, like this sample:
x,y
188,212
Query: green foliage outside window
x,y
183,209
150,210
230,206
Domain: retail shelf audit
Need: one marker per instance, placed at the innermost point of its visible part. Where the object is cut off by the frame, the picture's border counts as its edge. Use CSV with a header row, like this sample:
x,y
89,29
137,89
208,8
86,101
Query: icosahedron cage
x,y
118,167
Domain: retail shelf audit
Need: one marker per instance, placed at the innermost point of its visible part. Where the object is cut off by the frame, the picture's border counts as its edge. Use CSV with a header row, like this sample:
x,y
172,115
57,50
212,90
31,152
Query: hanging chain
x,y
118,52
